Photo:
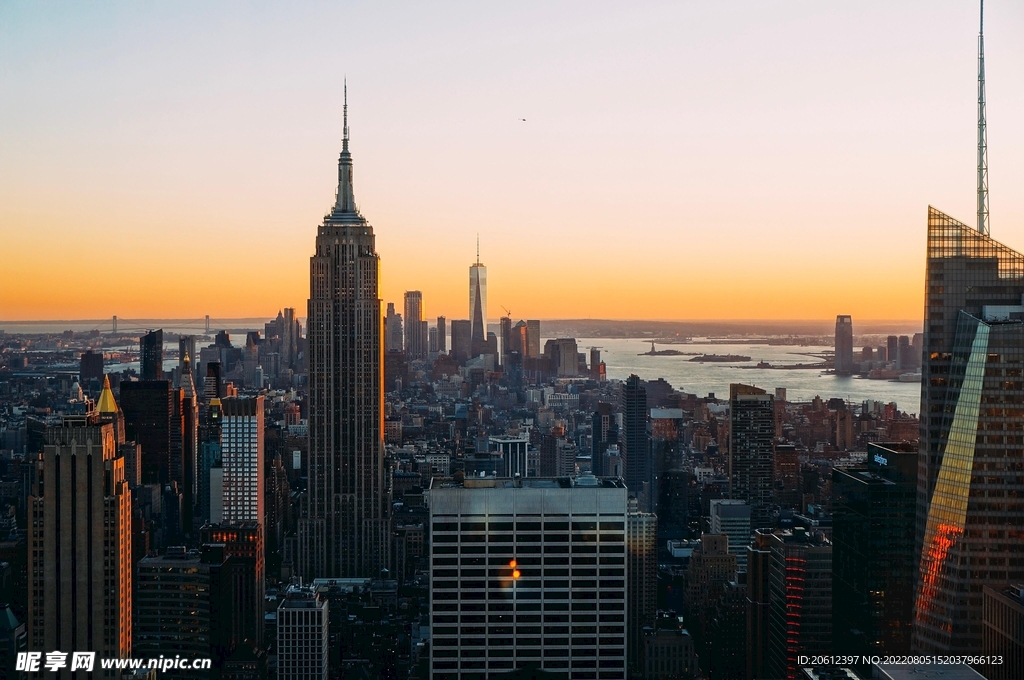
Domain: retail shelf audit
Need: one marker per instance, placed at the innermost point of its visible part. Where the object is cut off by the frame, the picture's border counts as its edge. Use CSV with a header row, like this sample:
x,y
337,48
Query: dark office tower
x,y
597,370
505,330
90,367
800,601
1004,631
533,338
726,630
759,559
432,346
642,571
477,305
415,338
186,473
461,338
905,351
243,543
289,338
442,335
80,574
346,523
211,384
519,337
971,445
873,551
187,347
393,335
635,442
151,355
210,457
892,349
844,344
184,592
148,411
751,450
603,433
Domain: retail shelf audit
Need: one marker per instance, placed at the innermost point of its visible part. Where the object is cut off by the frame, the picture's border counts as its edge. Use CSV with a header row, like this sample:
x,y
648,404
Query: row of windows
x,y
528,526
528,538
548,571
526,581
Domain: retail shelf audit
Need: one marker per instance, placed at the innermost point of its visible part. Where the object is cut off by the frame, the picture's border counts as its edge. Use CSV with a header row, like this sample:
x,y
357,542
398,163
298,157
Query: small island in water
x,y
662,352
720,358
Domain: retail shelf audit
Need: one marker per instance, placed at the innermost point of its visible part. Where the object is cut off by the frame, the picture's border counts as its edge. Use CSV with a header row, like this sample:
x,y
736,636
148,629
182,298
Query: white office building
x,y
732,518
302,635
242,459
524,571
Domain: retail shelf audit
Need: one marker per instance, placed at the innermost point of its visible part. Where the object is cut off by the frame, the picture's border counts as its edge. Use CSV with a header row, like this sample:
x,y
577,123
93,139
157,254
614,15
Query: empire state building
x,y
344,530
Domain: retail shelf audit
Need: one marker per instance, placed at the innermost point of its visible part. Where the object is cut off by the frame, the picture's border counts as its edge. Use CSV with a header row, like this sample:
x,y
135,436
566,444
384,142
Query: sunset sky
x,y
682,160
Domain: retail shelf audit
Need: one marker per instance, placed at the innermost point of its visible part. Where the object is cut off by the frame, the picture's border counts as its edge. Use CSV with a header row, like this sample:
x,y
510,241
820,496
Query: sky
x,y
679,160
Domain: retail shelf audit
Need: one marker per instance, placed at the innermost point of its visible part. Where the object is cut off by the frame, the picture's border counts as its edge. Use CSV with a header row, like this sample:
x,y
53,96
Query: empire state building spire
x,y
345,203
344,527
983,221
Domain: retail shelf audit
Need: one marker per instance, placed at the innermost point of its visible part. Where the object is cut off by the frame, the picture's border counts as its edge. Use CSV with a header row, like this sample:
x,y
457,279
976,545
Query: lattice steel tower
x,y
983,222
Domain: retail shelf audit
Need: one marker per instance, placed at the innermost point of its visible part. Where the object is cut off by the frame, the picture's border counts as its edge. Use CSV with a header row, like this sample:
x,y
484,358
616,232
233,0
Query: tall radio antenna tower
x,y
983,221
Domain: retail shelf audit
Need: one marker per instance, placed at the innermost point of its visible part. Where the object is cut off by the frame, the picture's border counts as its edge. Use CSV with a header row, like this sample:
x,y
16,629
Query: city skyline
x,y
171,157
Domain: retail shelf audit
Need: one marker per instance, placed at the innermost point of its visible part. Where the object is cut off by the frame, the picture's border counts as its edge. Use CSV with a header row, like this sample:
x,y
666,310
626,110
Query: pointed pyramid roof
x,y
106,403
188,385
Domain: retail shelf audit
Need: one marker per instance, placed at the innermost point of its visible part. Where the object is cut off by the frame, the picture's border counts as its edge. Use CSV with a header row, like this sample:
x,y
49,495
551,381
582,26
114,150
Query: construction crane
x,y
508,311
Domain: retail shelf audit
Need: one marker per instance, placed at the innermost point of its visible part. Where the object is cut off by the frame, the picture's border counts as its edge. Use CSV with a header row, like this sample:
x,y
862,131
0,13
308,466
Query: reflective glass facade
x,y
970,499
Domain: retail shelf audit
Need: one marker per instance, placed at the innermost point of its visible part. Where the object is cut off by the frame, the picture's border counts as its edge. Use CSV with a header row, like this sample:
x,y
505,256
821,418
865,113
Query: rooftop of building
x,y
487,482
949,672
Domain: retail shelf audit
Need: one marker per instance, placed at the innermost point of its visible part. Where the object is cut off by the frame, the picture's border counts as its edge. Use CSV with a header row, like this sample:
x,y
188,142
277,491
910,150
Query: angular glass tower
x,y
344,532
970,487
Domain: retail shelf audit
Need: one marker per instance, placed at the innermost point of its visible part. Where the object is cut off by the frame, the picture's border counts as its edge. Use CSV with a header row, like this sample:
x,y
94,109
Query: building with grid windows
x,y
184,591
528,572
732,518
970,513
873,551
752,450
242,458
302,635
799,600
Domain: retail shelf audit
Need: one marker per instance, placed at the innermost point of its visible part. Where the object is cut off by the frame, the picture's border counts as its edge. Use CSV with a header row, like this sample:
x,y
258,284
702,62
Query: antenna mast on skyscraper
x,y
344,108
983,221
478,248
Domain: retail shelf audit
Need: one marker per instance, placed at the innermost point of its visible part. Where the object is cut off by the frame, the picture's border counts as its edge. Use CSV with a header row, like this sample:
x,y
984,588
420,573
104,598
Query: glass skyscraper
x,y
477,306
970,495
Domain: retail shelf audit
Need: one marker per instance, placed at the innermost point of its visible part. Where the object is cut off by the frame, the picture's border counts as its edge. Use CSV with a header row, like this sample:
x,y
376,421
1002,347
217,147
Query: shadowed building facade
x,y
844,344
345,532
80,544
970,511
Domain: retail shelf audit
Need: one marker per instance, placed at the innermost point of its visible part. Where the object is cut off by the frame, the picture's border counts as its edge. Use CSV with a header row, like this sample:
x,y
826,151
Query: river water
x,y
621,359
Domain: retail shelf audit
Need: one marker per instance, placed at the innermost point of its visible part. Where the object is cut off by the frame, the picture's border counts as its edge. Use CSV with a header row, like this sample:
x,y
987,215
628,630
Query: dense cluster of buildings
x,y
386,496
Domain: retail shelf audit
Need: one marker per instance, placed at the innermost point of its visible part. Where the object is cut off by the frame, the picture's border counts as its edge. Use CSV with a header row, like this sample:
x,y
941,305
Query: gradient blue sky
x,y
678,160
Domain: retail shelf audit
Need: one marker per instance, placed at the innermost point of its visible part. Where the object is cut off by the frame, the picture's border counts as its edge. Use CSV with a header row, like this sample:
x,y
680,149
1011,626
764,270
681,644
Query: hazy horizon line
x,y
549,320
